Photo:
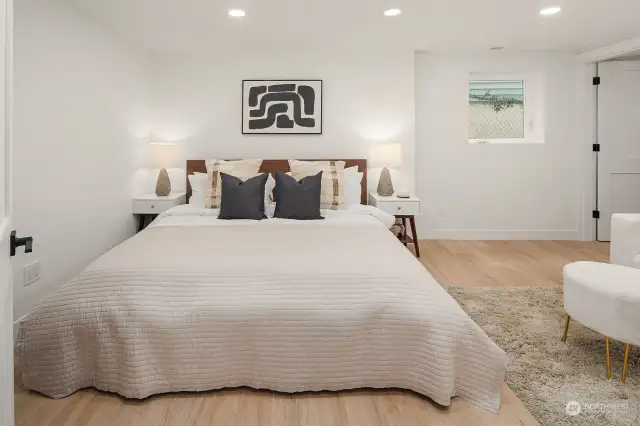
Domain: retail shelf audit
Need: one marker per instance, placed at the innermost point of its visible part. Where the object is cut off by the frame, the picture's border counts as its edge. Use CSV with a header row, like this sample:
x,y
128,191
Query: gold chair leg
x,y
566,328
606,342
626,358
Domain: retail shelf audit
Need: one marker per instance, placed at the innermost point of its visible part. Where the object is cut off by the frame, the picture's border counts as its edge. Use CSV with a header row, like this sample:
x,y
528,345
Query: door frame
x,y
7,414
590,177
586,130
618,65
596,152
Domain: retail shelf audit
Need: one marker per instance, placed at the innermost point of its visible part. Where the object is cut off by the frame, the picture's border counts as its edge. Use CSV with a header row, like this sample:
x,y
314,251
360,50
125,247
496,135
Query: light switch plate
x,y
32,272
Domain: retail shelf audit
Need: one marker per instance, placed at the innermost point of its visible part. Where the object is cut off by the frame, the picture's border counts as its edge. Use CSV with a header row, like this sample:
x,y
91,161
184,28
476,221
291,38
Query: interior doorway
x,y
618,144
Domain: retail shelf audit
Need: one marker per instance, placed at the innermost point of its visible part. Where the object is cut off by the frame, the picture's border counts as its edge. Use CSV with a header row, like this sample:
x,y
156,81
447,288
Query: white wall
x,y
535,191
79,104
368,97
81,110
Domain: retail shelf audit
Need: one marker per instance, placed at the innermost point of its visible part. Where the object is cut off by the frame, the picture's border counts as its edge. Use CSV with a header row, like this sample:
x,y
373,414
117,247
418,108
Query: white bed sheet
x,y
193,215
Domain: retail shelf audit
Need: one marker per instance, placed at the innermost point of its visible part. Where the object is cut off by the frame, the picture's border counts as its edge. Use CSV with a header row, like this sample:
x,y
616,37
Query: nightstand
x,y
401,208
147,207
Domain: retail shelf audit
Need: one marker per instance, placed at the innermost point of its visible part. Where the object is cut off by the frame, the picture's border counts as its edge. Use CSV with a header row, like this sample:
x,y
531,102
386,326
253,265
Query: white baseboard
x,y
494,234
16,325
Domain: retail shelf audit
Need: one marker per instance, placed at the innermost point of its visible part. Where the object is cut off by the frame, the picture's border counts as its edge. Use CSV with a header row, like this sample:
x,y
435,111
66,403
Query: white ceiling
x,y
180,26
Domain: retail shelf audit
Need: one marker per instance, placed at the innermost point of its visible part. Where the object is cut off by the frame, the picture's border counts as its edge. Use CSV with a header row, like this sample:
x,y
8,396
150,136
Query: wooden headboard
x,y
273,166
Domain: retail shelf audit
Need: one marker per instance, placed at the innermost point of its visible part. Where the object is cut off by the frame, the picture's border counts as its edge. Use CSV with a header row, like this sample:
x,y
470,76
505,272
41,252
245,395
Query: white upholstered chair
x,y
625,240
606,297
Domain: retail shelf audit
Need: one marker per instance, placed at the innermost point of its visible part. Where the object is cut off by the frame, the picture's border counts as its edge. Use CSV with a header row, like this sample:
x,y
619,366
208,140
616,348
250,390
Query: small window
x,y
500,110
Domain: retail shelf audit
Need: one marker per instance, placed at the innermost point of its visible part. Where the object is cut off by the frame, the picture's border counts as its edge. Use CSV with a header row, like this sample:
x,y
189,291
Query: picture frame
x,y
282,107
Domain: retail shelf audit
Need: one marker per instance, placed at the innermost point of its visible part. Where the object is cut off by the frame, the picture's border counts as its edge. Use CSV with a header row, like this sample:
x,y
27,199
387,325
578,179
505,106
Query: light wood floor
x,y
460,263
505,263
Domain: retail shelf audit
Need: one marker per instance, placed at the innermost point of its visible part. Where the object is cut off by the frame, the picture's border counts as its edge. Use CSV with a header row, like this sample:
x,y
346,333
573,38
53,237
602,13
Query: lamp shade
x,y
386,155
163,155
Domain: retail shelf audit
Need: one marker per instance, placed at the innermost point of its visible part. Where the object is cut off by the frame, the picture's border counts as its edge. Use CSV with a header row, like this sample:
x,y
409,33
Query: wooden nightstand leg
x,y
414,235
404,228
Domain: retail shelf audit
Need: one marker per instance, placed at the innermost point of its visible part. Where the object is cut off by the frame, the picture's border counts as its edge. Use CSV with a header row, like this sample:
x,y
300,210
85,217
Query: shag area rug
x,y
546,374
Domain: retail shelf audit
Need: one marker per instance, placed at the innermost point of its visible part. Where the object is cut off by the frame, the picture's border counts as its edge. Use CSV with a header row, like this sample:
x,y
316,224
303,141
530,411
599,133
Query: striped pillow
x,y
243,169
332,192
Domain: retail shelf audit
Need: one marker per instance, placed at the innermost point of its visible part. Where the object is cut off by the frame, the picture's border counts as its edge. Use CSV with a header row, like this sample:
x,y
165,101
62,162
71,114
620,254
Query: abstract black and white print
x,y
282,106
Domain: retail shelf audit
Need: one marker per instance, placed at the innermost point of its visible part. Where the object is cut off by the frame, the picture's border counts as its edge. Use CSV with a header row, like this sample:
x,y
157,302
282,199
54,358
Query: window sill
x,y
505,142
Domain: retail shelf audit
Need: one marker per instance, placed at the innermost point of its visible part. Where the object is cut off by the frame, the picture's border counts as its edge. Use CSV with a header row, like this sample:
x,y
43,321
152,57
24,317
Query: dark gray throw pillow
x,y
298,200
242,200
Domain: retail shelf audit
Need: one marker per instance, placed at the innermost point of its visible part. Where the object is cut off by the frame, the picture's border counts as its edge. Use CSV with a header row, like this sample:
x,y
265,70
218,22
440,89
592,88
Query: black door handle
x,y
15,242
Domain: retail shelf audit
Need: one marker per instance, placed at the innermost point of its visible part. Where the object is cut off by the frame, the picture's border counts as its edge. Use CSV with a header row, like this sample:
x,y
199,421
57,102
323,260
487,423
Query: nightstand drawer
x,y
151,207
400,208
152,204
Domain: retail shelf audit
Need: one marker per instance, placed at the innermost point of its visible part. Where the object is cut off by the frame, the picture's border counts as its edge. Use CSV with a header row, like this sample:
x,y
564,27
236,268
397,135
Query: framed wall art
x,y
282,107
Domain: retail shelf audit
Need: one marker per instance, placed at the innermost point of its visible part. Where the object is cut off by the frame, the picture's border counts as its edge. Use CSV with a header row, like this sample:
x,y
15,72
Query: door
x,y
619,139
6,285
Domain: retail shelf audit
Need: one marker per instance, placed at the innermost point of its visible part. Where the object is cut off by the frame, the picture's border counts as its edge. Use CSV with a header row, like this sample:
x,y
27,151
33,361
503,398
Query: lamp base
x,y
385,186
163,184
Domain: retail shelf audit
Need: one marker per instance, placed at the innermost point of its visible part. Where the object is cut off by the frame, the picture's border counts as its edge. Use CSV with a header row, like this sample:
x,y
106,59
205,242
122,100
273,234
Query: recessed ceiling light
x,y
552,10
392,12
237,13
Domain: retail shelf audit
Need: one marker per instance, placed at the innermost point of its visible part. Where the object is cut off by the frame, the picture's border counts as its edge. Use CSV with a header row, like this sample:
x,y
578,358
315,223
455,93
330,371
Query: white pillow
x,y
352,186
242,169
268,190
198,182
332,191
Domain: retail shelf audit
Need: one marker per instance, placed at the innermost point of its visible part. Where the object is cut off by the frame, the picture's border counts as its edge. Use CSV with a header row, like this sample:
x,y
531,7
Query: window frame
x,y
531,107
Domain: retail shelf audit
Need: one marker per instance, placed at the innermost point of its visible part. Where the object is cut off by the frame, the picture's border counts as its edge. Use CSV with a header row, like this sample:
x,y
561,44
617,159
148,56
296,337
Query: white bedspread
x,y
195,303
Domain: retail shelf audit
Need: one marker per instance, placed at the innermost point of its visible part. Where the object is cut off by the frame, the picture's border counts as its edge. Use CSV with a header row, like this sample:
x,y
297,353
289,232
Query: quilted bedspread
x,y
194,303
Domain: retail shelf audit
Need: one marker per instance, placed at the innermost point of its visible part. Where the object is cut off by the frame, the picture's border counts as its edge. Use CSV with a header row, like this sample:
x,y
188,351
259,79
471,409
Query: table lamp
x,y
386,156
163,155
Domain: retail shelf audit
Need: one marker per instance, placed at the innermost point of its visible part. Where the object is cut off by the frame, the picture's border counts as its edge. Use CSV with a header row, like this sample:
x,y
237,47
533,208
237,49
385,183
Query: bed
x,y
195,303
